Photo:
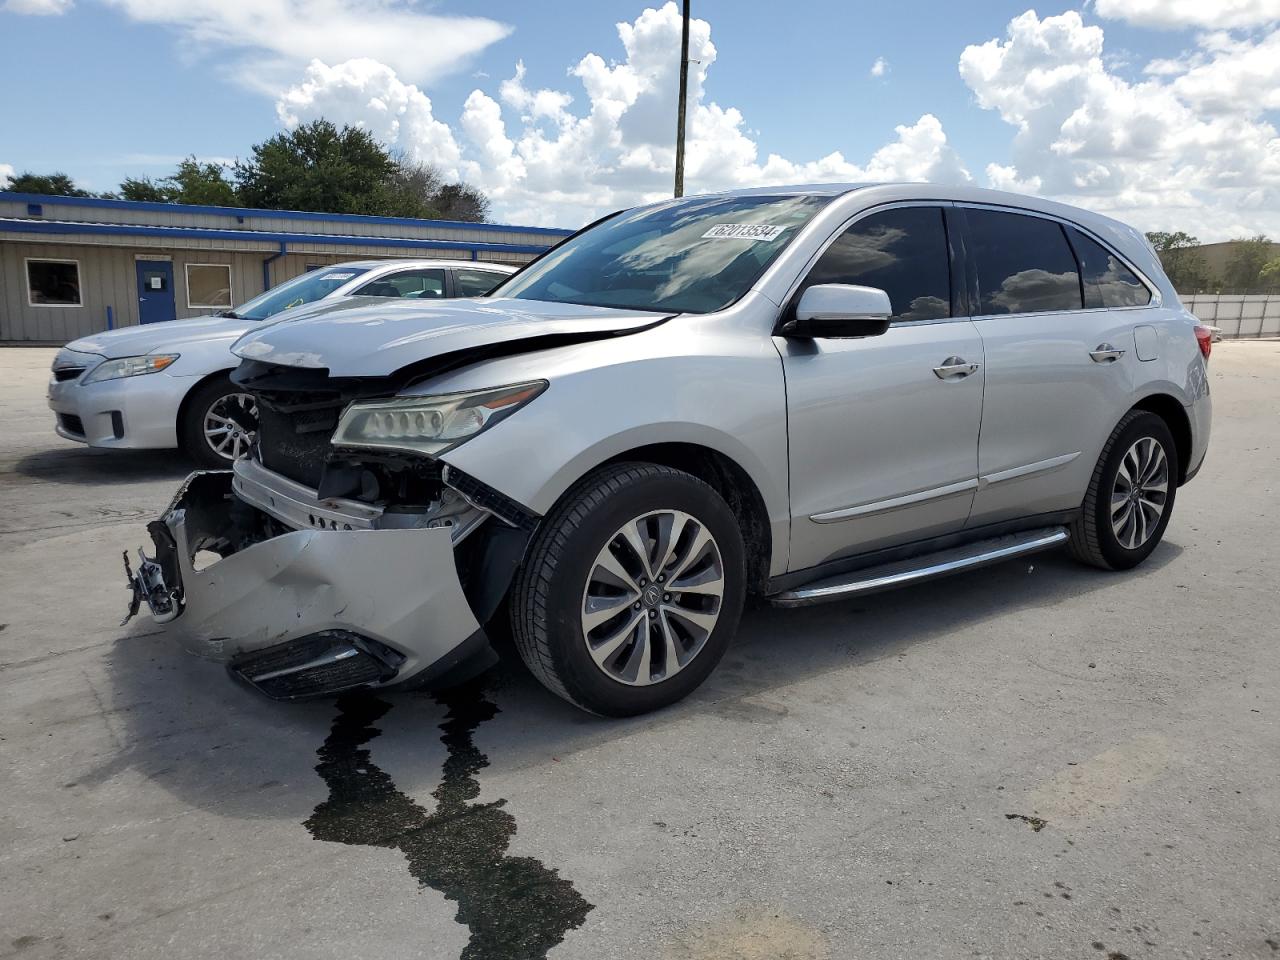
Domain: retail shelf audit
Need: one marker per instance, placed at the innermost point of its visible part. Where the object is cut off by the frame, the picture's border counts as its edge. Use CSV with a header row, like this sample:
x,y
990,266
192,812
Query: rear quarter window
x,y
1107,281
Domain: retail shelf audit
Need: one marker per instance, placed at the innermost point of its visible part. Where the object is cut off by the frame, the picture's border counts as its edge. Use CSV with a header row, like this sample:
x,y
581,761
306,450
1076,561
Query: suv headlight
x,y
130,367
429,425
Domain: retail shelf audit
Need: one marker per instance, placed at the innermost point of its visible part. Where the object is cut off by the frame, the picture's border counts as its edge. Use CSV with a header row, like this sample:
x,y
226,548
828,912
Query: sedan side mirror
x,y
839,310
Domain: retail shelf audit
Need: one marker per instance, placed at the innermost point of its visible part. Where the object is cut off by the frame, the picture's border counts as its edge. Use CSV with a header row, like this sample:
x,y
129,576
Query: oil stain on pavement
x,y
514,907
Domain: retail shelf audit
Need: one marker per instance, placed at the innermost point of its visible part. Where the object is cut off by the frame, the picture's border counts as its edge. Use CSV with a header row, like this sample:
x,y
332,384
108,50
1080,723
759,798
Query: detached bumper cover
x,y
392,595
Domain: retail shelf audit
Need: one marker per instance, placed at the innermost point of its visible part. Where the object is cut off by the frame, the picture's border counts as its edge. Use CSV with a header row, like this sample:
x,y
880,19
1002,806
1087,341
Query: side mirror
x,y
839,310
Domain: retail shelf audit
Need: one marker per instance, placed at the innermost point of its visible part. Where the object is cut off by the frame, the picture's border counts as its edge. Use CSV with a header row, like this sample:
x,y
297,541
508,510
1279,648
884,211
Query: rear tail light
x,y
1204,337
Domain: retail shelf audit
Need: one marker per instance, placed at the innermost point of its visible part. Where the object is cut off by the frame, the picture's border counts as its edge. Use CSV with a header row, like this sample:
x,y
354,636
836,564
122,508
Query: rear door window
x,y
476,283
1024,264
903,252
1107,281
424,284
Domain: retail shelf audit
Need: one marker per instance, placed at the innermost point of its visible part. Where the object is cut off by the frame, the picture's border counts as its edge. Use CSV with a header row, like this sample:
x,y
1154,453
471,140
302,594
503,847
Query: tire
x,y
203,402
568,584
1094,538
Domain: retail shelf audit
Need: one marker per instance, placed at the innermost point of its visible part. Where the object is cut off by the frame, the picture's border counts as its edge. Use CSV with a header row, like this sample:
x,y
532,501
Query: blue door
x,y
155,291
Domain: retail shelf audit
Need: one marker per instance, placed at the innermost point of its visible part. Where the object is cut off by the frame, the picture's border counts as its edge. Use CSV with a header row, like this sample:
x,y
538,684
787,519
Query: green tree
x,y
1269,275
318,167
1182,262
1249,256
204,183
144,188
193,182
54,184
460,201
418,190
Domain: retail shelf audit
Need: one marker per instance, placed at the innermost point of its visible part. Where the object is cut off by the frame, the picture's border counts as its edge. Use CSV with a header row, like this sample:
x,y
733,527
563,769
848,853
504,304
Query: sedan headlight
x,y
430,425
130,367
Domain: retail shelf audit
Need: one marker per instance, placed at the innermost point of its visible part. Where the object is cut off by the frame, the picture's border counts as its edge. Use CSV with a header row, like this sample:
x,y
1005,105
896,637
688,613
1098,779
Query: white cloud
x,y
1204,14
880,67
7,173
370,94
543,158
37,8
418,46
1187,148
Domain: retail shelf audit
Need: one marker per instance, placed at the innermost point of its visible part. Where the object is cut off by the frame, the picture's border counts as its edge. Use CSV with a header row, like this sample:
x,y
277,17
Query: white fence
x,y
1237,314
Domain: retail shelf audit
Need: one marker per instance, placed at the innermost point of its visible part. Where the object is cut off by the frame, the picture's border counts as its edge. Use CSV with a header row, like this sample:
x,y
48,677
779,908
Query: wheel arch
x,y
1174,414
191,391
731,481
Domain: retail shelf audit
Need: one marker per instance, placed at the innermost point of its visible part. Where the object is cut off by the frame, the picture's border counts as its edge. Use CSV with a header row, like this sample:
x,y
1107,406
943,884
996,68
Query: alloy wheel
x,y
1140,493
653,597
231,425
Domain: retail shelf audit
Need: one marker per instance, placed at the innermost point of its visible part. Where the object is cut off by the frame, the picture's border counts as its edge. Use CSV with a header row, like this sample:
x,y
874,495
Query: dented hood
x,y
375,337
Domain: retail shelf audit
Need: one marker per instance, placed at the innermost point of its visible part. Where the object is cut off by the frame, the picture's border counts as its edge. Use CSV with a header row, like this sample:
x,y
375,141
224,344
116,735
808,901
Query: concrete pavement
x,y
1036,760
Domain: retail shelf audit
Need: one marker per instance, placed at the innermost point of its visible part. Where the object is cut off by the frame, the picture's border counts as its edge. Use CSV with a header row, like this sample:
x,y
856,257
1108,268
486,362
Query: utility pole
x,y
684,93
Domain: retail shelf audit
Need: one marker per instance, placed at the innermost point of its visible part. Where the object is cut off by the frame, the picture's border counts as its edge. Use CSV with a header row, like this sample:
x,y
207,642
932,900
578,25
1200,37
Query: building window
x,y
53,283
208,285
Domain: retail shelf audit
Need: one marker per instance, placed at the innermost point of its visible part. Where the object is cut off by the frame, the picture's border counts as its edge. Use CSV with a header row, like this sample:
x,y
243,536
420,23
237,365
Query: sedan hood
x,y
376,337
159,337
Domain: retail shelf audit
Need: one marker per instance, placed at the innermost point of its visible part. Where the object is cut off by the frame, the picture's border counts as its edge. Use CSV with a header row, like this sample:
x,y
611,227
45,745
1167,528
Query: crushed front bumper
x,y
306,612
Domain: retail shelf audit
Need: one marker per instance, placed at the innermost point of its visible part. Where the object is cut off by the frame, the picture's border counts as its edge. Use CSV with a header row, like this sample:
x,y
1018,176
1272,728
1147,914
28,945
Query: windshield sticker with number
x,y
743,231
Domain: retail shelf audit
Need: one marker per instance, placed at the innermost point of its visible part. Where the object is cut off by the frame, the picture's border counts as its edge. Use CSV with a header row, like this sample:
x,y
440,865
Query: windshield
x,y
311,286
686,256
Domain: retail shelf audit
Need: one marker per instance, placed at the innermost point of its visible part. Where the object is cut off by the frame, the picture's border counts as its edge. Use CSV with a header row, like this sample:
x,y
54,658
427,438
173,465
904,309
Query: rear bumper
x,y
1200,413
308,612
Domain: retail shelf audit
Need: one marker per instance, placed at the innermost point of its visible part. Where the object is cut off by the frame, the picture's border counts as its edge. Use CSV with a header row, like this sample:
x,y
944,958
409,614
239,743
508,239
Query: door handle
x,y
955,368
1105,353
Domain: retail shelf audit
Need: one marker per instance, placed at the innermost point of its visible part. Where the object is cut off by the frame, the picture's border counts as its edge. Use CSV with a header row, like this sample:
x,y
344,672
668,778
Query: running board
x,y
919,569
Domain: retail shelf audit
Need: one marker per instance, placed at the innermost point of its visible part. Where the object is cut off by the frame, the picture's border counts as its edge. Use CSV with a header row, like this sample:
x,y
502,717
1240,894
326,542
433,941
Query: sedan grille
x,y
62,374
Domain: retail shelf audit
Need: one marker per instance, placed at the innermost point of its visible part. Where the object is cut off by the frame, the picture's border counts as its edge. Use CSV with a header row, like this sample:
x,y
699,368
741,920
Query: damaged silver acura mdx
x,y
804,393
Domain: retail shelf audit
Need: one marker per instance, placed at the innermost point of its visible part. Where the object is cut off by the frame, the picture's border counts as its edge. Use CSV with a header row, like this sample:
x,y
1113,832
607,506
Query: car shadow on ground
x,y
217,745
83,465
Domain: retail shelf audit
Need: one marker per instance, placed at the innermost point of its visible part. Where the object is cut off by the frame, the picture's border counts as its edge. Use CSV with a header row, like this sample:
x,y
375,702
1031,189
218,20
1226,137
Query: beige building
x,y
72,266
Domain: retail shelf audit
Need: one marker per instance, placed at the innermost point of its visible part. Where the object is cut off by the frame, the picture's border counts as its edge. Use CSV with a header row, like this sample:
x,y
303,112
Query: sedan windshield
x,y
311,286
686,256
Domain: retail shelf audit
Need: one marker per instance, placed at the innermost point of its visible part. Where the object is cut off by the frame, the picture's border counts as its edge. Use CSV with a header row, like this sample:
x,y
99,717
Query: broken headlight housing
x,y
429,425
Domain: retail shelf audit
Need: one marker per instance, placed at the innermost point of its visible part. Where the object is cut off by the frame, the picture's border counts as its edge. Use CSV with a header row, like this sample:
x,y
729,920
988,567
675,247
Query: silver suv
x,y
804,393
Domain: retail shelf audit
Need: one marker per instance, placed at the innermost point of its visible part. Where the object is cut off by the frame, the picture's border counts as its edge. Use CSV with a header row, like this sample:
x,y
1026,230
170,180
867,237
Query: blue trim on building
x,y
242,212
62,227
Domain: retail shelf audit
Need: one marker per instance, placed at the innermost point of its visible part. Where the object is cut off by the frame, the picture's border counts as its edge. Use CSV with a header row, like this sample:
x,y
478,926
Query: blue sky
x,y
102,89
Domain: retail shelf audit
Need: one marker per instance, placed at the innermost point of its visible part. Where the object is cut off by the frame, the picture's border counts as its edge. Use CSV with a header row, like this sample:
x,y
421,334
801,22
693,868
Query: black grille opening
x,y
71,423
67,373
295,443
318,665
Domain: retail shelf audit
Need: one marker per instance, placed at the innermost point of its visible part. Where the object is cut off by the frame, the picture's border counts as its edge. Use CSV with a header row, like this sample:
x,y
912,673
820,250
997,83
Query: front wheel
x,y
1130,497
219,424
632,589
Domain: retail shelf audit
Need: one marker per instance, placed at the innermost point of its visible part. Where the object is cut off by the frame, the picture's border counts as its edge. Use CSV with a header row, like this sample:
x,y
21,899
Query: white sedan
x,y
164,385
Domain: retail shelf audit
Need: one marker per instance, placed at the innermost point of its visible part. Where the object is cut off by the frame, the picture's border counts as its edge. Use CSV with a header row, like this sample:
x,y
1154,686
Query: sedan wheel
x,y
231,425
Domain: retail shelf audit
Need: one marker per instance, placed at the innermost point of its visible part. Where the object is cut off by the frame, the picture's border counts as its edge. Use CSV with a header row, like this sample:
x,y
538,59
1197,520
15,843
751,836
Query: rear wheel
x,y
219,424
632,590
1130,497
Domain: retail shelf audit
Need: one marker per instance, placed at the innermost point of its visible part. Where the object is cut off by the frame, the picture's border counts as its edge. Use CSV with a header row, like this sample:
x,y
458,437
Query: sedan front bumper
x,y
136,413
306,612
